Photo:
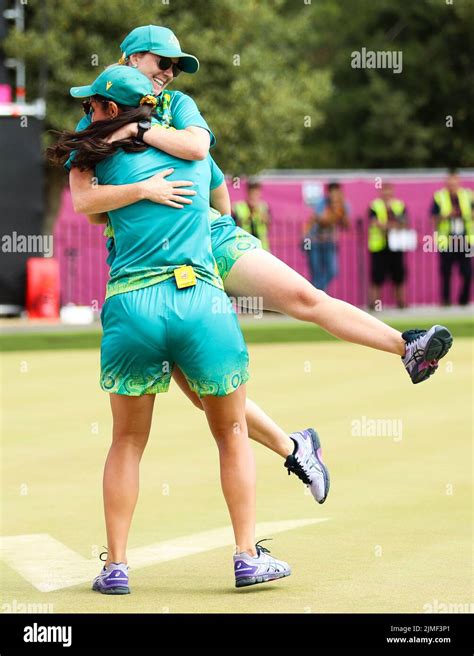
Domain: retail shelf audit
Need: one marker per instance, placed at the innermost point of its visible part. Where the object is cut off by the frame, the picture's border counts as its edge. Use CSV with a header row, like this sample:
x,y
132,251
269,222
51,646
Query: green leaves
x,y
254,86
276,83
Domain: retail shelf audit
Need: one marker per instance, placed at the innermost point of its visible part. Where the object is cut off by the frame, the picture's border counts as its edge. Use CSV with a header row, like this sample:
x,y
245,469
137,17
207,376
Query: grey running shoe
x,y
306,462
423,350
250,570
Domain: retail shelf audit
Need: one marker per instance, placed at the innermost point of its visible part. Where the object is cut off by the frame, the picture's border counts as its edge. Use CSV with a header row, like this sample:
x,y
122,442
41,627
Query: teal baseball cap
x,y
159,41
123,84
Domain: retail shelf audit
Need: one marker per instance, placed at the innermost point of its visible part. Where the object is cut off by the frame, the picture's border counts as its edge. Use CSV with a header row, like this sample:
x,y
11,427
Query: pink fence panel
x,y
81,250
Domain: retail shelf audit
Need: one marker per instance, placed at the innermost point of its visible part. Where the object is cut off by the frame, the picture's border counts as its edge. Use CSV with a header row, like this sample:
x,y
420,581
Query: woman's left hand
x,y
125,132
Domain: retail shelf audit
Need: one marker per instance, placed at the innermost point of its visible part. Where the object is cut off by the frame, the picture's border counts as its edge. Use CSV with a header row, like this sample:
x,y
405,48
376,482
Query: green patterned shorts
x,y
149,330
229,242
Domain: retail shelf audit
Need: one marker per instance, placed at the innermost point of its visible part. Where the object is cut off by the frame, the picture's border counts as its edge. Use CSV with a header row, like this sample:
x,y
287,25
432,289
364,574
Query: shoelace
x,y
411,337
414,335
104,553
294,466
261,549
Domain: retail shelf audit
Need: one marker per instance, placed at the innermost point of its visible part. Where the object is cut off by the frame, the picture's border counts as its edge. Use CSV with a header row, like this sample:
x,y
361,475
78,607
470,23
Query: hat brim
x,y
81,92
187,63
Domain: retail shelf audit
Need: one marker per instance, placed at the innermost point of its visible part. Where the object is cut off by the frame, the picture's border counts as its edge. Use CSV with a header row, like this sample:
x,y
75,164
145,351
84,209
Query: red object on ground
x,y
42,288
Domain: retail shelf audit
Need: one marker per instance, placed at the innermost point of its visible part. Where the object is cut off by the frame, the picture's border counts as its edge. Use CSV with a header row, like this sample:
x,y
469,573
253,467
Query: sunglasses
x,y
164,64
87,104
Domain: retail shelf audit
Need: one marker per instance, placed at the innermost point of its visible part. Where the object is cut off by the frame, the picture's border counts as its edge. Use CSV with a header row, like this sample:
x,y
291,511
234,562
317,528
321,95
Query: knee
x,y
228,433
130,440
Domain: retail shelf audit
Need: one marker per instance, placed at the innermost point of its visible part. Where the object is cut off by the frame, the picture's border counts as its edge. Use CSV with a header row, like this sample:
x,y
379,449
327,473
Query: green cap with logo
x,y
159,41
125,85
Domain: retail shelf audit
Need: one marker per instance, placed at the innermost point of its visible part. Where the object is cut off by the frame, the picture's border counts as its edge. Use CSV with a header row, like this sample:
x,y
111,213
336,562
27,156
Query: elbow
x,y
80,206
77,203
200,148
200,152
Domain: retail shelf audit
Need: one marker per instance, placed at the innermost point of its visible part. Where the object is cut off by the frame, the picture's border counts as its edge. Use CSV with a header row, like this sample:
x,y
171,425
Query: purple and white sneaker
x,y
250,570
423,350
306,462
113,580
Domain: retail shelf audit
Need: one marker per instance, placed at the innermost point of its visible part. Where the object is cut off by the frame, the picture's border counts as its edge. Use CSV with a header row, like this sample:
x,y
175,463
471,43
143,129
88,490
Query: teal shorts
x,y
229,242
146,332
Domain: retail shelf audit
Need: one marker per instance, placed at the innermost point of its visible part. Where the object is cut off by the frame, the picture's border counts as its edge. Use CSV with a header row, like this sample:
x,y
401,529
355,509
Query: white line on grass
x,y
49,565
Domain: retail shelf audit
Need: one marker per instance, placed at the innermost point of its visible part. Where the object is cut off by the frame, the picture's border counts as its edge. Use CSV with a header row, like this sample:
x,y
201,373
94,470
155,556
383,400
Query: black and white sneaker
x,y
306,462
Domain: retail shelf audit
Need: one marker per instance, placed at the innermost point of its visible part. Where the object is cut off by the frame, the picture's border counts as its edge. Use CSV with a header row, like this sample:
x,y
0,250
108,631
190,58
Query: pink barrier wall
x,y
81,250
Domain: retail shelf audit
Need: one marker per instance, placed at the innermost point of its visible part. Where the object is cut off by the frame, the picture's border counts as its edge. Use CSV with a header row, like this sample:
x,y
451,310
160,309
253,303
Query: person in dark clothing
x,y
385,214
452,212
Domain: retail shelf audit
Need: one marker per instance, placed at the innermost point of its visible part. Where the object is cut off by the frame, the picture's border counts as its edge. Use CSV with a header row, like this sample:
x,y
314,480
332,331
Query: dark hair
x,y
453,171
253,185
90,145
333,185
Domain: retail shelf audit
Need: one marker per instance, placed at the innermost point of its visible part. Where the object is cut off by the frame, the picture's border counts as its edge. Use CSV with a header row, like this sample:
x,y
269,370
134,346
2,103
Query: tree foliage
x,y
375,118
252,87
276,83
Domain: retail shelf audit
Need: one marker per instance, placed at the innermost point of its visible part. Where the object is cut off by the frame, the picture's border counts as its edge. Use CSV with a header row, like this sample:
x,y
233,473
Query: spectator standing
x,y
253,215
330,213
452,212
385,214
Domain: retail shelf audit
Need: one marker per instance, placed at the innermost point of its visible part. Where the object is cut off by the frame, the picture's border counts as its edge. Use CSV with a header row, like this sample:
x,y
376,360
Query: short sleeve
x,y
185,114
217,176
82,125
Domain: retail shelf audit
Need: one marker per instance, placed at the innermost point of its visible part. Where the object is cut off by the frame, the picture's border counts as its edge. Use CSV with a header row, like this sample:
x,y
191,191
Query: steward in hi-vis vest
x,y
452,212
377,234
455,215
253,215
385,214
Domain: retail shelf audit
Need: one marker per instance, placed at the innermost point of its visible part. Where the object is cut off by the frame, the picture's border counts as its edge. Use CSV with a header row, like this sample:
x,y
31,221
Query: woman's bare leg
x,y
261,427
260,274
132,422
226,418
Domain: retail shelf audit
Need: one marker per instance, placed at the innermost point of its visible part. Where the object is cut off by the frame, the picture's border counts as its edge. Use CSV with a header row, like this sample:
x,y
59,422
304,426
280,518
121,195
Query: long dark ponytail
x,y
90,145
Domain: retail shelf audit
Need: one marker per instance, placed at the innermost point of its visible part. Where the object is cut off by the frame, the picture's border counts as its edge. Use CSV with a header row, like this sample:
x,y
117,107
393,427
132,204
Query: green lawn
x,y
255,332
398,529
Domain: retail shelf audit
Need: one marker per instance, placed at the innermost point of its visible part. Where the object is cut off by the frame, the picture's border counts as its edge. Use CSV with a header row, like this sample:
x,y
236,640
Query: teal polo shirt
x,y
151,240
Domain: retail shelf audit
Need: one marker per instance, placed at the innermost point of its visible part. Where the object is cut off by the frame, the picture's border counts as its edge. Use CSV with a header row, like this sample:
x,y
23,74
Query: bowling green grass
x,y
398,517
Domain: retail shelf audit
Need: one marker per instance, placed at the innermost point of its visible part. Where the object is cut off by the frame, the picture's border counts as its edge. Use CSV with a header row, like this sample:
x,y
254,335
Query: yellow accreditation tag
x,y
185,276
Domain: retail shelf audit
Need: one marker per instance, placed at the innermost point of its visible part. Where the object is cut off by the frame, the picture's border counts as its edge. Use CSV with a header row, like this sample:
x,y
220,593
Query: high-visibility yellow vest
x,y
443,200
377,237
245,219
